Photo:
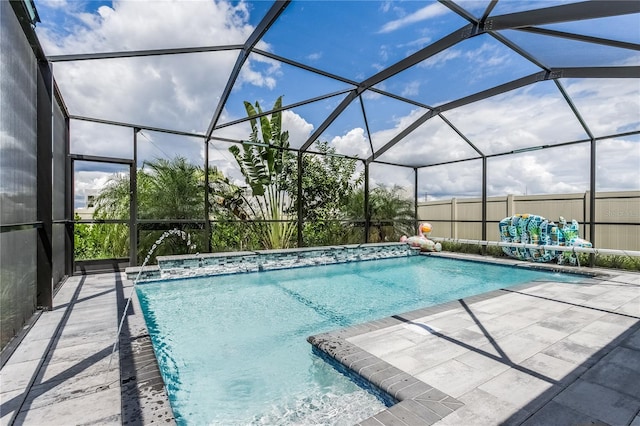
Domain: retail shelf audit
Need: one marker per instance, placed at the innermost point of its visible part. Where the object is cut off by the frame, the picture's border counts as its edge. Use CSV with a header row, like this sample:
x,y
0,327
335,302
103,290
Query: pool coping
x,y
225,263
420,399
416,401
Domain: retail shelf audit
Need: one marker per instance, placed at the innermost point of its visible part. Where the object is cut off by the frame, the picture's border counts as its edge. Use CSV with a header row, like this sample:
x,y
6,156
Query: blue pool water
x,y
232,349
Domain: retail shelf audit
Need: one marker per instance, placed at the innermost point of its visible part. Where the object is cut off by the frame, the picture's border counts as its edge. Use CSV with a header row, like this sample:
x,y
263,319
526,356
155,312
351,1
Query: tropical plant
x,y
171,189
328,181
391,213
266,164
166,189
112,203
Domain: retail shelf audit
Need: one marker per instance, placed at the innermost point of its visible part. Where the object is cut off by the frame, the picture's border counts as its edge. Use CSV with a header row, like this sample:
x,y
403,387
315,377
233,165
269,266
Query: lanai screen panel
x,y
177,92
480,62
559,52
616,209
299,121
58,205
135,26
387,117
391,202
263,79
348,134
533,116
441,187
111,181
609,106
18,183
618,162
557,170
358,38
102,140
370,84
436,141
170,177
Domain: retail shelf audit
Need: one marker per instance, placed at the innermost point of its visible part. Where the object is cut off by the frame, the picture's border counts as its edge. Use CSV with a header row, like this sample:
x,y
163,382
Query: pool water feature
x,y
232,349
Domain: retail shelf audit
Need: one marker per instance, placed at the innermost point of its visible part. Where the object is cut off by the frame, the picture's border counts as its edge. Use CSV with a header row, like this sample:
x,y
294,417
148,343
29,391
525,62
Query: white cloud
x,y
618,164
389,176
299,129
433,142
353,143
182,91
381,137
412,88
147,25
178,91
89,183
555,171
608,106
488,59
175,92
520,119
455,180
55,4
423,14
439,60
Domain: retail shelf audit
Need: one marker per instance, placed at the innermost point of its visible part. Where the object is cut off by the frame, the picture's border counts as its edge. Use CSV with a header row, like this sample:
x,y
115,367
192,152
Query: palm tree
x,y
171,189
391,214
110,240
167,189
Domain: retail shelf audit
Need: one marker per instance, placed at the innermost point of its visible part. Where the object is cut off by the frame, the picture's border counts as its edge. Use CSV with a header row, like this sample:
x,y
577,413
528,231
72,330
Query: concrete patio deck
x,y
543,353
63,371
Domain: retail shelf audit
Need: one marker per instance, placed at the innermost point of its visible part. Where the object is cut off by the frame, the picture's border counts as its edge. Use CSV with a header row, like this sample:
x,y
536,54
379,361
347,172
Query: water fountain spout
x,y
178,232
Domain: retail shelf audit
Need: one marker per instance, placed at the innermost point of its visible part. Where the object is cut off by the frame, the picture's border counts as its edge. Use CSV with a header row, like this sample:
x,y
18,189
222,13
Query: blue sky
x,y
355,40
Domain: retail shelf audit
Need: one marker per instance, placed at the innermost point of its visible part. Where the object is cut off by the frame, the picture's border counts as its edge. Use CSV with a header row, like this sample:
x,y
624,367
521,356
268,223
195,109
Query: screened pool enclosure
x,y
297,123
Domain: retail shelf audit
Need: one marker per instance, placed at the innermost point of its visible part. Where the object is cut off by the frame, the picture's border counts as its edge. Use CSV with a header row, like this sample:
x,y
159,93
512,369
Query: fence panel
x,y
617,215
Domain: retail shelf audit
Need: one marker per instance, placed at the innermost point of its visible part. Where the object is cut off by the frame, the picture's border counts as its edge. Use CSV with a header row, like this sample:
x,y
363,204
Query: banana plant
x,y
265,163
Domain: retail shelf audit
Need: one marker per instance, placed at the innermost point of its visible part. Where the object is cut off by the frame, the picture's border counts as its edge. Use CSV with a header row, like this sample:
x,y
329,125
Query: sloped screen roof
x,y
405,83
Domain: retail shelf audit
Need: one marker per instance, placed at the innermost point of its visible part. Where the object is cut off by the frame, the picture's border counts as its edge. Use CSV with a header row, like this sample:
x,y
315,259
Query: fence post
x,y
510,205
586,217
454,217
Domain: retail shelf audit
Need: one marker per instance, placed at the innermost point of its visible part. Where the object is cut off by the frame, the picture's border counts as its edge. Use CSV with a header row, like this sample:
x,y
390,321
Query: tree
x,y
328,181
269,204
86,244
171,189
391,213
265,162
111,240
167,189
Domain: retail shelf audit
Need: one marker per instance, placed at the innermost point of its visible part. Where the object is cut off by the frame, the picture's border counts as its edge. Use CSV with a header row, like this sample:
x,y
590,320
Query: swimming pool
x,y
232,349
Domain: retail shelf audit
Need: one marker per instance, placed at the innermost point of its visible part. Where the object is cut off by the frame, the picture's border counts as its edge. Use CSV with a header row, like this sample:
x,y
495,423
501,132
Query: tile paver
x,y
599,402
534,354
544,353
78,381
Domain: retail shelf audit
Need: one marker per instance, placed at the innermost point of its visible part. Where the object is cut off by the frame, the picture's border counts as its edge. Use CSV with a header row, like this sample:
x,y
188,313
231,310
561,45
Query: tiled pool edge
x,y
212,264
144,396
417,401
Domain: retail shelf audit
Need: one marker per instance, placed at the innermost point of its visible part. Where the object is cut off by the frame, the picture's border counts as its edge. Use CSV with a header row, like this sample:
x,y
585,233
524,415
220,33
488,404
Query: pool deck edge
x,y
412,408
425,403
66,354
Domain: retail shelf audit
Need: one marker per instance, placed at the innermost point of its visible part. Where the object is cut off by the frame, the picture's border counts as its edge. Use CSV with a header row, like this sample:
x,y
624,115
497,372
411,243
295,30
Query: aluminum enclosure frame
x,y
527,21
